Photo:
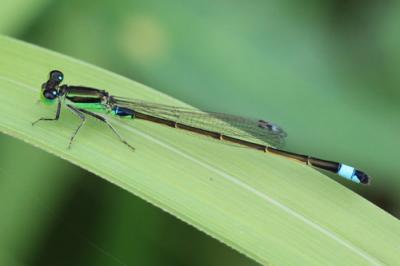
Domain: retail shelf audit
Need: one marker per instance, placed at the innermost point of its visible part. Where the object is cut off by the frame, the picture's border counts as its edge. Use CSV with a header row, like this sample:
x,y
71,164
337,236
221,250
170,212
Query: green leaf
x,y
269,208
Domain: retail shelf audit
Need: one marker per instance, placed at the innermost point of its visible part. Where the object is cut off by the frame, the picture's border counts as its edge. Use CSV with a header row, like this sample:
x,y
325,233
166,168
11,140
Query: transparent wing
x,y
230,125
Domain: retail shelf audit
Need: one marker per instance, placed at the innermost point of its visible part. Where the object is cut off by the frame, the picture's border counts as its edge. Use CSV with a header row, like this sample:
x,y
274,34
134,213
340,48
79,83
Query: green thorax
x,y
95,107
86,98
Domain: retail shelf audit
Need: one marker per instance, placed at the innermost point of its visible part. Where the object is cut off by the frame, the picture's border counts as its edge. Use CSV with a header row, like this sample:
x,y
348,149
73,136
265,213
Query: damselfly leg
x,y
104,120
57,116
82,117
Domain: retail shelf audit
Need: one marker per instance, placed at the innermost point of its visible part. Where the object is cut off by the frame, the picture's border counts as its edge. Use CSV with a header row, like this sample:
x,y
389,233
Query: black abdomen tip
x,y
363,177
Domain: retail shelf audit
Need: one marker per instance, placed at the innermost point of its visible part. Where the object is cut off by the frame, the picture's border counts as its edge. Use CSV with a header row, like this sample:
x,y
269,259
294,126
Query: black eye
x,y
50,94
56,76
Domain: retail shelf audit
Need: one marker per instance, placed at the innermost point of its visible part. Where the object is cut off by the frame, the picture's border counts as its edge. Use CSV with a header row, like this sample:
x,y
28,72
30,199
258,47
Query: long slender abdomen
x,y
343,170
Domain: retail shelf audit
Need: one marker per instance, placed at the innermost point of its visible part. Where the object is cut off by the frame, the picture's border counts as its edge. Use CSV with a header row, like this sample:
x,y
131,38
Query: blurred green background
x,y
326,71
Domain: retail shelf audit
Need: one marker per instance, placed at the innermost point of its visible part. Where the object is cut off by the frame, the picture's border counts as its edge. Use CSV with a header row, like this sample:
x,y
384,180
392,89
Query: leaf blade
x,y
269,208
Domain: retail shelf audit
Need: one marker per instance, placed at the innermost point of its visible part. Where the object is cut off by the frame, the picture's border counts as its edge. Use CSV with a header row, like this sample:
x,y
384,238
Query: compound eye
x,y
56,76
50,94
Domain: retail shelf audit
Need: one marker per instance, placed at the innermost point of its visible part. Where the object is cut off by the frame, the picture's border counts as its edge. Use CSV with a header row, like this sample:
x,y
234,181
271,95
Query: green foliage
x,y
16,14
269,208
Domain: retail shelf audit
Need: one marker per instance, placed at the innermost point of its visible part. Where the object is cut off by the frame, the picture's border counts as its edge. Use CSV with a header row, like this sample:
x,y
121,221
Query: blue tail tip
x,y
353,174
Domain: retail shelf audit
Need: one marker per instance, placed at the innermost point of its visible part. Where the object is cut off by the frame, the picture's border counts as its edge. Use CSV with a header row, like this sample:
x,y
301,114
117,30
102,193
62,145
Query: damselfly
x,y
252,133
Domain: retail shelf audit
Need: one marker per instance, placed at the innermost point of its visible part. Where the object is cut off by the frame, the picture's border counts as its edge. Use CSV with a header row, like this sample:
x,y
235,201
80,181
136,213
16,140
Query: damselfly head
x,y
50,94
50,87
56,76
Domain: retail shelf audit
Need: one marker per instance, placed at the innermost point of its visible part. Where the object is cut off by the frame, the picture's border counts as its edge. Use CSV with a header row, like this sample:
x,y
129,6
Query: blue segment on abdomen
x,y
122,111
348,172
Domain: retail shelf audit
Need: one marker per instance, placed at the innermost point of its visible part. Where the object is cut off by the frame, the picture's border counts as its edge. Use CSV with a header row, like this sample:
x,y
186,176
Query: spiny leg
x,y
103,119
83,119
57,116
